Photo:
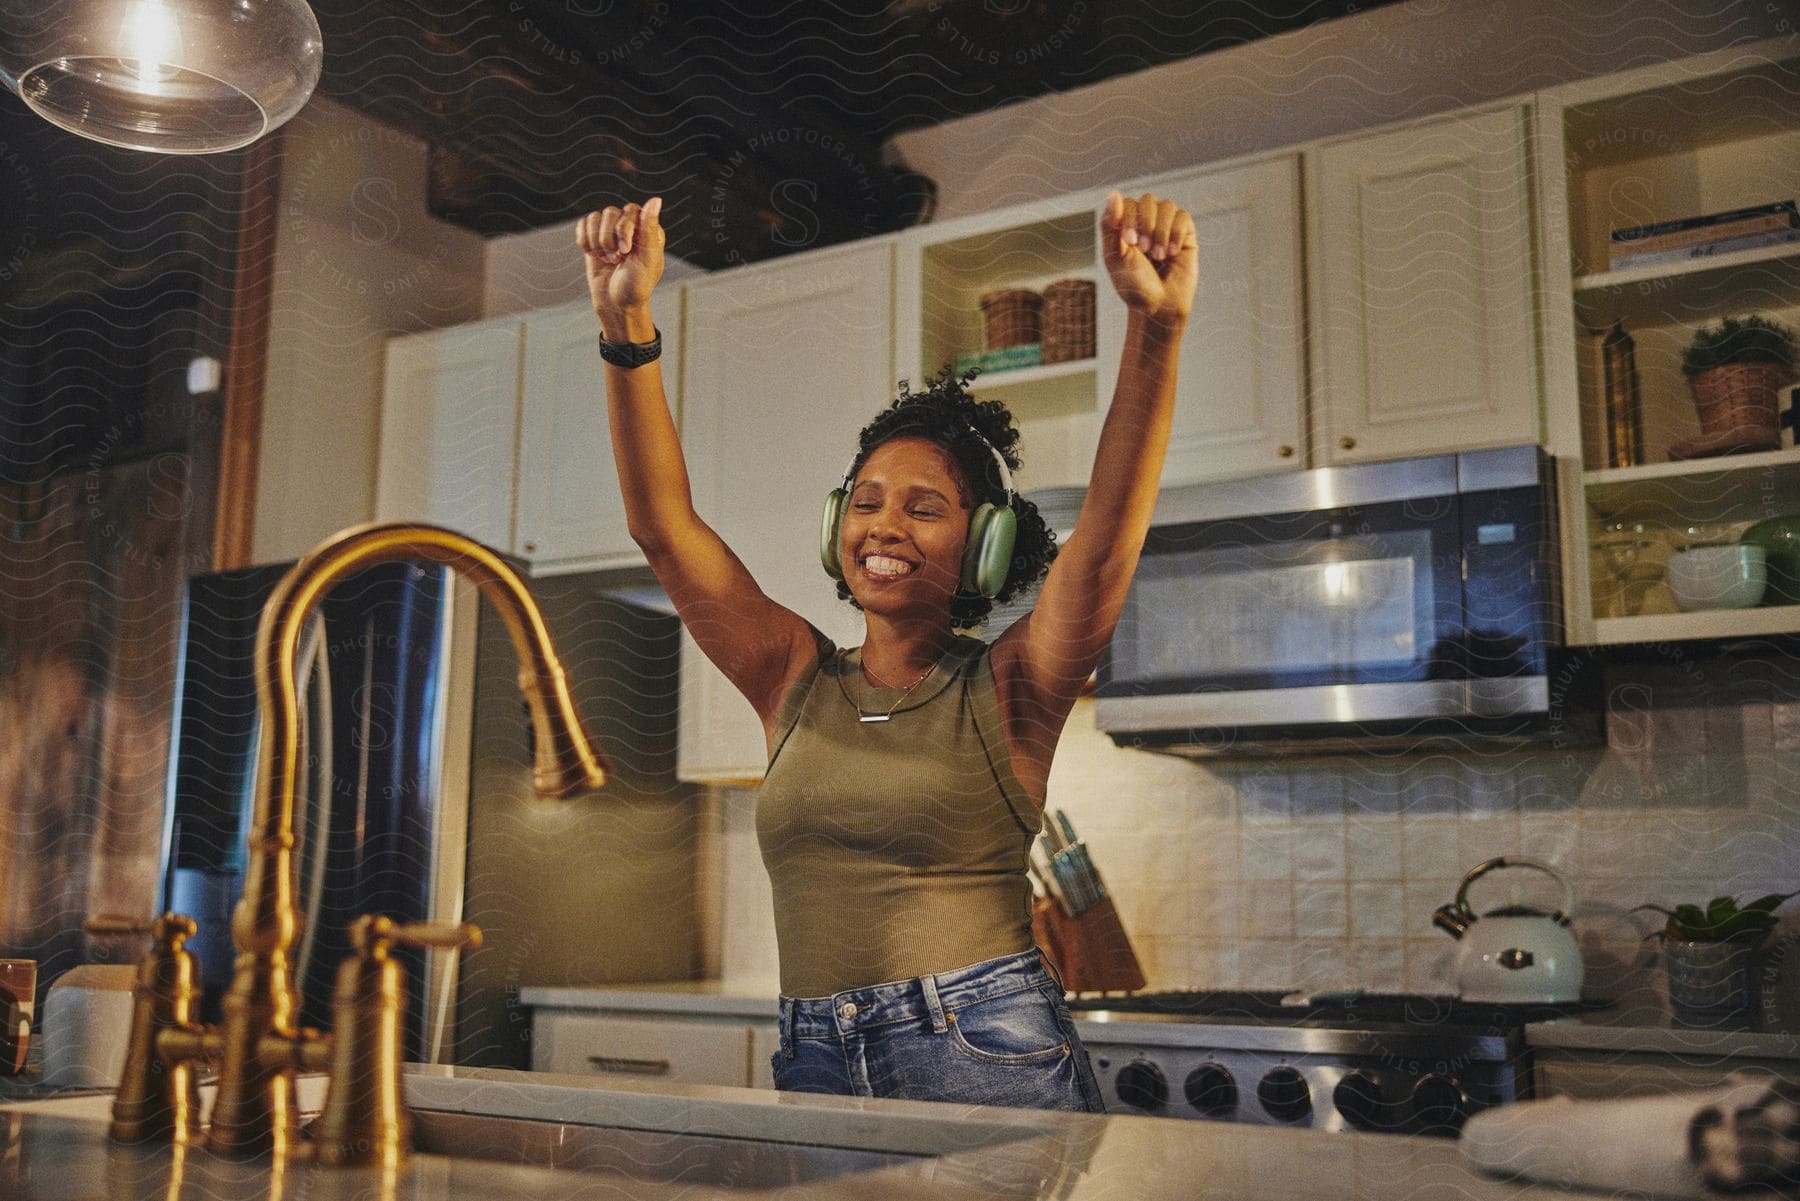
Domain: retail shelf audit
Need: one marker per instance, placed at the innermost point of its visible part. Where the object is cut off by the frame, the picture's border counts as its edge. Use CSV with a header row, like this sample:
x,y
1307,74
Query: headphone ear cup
x,y
979,523
828,533
996,551
987,555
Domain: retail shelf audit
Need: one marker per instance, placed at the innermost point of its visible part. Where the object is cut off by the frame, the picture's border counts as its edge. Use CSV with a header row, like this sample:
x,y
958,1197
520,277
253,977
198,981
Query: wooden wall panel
x,y
91,575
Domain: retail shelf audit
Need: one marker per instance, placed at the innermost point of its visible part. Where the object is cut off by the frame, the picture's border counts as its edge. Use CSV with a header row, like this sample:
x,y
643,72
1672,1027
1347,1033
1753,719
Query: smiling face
x,y
901,541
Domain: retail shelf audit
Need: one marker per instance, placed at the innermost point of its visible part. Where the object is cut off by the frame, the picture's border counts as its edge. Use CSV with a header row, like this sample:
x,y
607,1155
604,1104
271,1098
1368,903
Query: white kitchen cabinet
x,y
449,421
1240,404
674,1050
765,1040
784,363
1421,289
498,429
571,515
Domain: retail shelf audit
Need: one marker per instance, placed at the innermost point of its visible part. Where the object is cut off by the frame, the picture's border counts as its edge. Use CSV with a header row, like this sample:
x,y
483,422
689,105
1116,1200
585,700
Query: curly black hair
x,y
944,413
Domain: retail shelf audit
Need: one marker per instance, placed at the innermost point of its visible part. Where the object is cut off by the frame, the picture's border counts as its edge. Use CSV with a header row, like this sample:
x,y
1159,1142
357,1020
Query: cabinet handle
x,y
530,547
1286,452
618,1063
1347,442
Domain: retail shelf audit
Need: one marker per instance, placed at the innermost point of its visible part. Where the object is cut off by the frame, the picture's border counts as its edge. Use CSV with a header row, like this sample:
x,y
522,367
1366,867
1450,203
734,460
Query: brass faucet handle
x,y
439,934
373,935
170,927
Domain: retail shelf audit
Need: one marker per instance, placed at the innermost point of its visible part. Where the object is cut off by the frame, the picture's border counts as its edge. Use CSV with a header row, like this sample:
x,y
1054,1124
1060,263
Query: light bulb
x,y
150,31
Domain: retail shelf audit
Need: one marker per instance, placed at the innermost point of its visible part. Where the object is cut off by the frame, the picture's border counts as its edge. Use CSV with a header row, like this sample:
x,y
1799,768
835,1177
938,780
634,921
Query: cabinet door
x,y
1422,290
449,421
627,1048
1241,398
571,516
784,364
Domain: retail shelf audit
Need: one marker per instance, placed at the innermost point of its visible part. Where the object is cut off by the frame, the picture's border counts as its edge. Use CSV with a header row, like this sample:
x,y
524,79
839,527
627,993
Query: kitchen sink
x,y
666,1140
647,1156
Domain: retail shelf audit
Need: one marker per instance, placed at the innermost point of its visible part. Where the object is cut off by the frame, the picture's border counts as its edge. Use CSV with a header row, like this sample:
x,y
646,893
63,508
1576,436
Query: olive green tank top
x,y
898,848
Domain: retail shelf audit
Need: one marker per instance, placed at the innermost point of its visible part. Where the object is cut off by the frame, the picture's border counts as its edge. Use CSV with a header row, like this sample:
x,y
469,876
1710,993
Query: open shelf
x,y
1057,405
1698,290
1706,623
1728,488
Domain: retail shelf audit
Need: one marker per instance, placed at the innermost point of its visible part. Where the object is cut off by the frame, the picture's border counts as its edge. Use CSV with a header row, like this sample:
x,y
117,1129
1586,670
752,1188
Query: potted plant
x,y
1736,370
1709,951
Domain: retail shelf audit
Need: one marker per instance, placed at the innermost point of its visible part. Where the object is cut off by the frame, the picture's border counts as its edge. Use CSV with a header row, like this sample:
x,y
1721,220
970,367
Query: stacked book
x,y
1669,242
1007,358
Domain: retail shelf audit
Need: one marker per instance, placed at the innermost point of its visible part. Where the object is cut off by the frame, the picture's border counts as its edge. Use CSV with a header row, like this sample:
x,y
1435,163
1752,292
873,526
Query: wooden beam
x,y
246,362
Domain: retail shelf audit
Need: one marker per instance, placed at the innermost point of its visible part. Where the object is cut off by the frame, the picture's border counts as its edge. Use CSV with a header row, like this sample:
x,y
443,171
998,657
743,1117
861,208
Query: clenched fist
x,y
1151,254
624,249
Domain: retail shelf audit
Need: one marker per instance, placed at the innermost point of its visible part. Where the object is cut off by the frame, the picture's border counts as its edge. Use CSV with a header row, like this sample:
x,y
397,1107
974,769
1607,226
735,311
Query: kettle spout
x,y
1453,920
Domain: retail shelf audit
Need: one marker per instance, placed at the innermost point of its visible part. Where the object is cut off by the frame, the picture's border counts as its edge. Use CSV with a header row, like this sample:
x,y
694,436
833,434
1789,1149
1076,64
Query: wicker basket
x,y
1011,316
1069,320
1741,397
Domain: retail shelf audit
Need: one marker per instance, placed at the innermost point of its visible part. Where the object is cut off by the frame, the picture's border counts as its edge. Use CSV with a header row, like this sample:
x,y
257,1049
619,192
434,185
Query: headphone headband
x,y
1006,480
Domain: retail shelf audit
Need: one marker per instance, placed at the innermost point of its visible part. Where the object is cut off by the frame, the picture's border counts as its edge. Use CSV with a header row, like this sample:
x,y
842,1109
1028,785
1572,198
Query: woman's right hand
x,y
624,249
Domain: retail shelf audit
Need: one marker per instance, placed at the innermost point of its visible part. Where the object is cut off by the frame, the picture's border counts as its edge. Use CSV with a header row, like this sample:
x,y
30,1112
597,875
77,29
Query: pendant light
x,y
178,76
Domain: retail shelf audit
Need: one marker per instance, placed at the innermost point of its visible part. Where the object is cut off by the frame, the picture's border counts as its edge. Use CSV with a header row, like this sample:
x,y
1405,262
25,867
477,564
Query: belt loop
x,y
1051,968
929,984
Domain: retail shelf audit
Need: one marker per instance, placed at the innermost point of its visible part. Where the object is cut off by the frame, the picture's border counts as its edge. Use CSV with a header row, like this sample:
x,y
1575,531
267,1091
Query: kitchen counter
x,y
1649,1031
1644,1029
708,998
57,1149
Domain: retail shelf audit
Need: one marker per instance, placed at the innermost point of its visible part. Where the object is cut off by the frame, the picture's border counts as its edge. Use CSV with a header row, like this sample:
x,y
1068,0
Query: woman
x,y
907,776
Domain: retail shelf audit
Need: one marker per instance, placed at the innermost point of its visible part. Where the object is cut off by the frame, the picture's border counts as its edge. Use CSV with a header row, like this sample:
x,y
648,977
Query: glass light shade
x,y
178,76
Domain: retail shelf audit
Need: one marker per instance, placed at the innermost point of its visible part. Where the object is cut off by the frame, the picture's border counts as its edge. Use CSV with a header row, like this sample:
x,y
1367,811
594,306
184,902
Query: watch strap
x,y
631,354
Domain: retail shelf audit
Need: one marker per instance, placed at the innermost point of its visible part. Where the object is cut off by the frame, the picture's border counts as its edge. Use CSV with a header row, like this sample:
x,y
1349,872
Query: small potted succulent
x,y
1736,370
1710,949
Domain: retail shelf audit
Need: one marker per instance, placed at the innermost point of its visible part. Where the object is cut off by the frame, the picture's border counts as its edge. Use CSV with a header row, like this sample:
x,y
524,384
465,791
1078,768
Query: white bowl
x,y
1717,577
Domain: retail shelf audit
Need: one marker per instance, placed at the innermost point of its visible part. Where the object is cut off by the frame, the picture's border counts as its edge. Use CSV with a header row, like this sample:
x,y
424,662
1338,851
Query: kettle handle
x,y
1493,865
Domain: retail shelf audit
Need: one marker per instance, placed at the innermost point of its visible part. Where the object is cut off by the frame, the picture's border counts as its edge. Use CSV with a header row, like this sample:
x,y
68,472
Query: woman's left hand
x,y
1151,254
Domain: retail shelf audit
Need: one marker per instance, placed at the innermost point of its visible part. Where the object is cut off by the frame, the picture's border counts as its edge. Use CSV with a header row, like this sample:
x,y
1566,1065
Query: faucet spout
x,y
261,1044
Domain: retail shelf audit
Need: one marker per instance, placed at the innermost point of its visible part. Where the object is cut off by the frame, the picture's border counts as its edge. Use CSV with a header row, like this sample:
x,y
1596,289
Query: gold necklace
x,y
867,718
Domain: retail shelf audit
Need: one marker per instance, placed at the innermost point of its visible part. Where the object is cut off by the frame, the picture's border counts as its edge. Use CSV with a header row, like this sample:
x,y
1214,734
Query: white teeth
x,y
882,565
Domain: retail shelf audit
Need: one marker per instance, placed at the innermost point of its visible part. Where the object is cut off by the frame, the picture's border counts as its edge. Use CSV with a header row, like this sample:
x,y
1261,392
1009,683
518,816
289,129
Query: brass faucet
x,y
259,1046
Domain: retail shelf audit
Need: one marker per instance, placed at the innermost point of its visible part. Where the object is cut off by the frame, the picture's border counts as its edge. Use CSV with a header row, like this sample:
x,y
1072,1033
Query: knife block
x,y
1090,951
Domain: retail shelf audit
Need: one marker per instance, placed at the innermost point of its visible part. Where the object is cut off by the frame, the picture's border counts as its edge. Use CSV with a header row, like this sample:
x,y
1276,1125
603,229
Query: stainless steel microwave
x,y
1385,603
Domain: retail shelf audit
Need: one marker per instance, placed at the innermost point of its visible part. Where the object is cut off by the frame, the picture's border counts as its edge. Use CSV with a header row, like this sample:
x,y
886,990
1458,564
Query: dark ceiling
x,y
764,123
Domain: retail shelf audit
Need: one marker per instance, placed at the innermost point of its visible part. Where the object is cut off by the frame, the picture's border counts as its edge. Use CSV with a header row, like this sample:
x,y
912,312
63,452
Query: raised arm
x,y
1151,256
757,643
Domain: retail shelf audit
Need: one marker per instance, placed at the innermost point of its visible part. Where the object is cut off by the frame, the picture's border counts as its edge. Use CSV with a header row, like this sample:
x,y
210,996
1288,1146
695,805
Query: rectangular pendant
x,y
865,718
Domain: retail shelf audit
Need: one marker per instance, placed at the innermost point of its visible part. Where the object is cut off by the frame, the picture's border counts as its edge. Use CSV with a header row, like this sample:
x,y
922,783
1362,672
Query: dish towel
x,y
1738,1135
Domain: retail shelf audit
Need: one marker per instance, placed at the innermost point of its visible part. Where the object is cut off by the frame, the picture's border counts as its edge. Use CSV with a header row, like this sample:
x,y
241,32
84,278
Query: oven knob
x,y
1211,1090
1284,1094
1358,1098
1438,1105
1141,1085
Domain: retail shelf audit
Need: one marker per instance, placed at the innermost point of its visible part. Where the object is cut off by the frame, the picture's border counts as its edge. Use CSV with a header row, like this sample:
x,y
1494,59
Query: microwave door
x,y
1334,615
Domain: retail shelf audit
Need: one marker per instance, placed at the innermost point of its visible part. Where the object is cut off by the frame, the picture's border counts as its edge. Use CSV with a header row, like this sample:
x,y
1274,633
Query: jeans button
x,y
847,1010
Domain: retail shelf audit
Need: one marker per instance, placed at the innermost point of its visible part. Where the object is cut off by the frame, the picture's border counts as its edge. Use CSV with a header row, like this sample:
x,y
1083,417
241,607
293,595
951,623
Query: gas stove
x,y
1334,1061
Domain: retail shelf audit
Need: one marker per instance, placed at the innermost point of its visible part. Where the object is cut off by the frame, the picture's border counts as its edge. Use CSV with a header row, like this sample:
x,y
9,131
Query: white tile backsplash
x,y
1325,871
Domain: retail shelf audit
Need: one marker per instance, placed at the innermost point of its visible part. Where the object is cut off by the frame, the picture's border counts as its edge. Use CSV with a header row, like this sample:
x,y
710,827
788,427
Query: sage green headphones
x,y
987,555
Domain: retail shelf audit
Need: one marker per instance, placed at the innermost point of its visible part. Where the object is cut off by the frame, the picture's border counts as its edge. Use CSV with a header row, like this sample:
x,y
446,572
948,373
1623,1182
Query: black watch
x,y
631,354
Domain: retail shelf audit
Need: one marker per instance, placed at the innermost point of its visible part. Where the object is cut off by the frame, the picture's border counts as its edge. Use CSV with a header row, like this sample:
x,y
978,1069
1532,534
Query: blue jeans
x,y
993,1033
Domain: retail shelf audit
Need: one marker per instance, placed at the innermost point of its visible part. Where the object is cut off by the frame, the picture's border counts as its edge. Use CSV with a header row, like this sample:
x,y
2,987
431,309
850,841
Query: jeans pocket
x,y
1020,1028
